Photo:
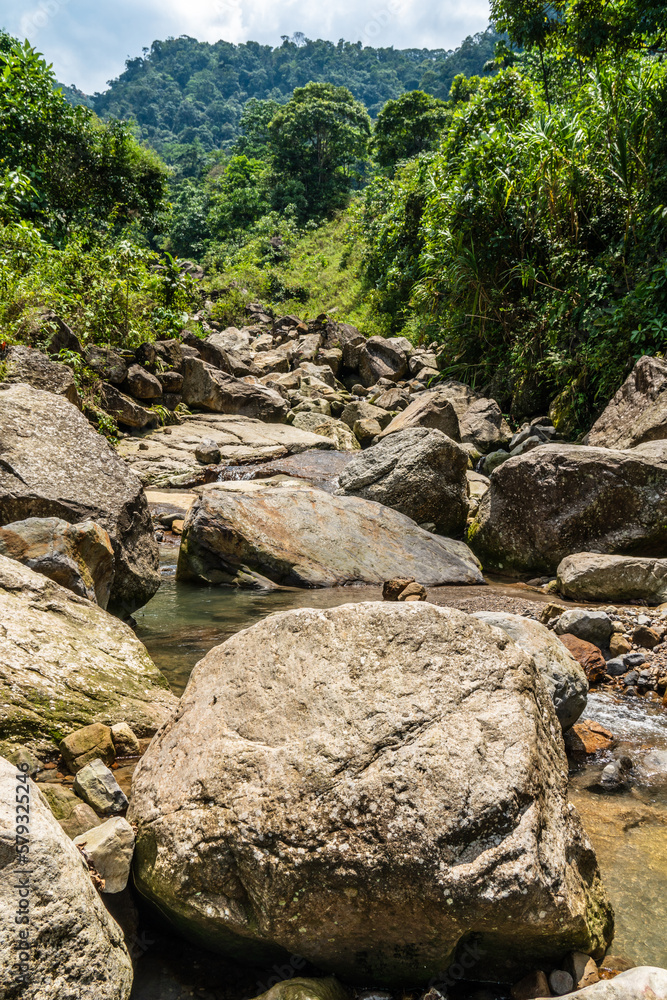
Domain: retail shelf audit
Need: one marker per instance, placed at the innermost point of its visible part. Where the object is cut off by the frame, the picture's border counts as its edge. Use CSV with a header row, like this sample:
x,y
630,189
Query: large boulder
x,y
590,576
24,364
208,388
420,472
638,411
77,556
560,499
382,357
299,536
55,465
68,947
370,787
65,663
432,409
125,410
564,677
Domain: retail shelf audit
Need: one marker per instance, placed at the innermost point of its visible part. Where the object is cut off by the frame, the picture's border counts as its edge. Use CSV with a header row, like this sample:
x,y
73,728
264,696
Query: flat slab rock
x,y
321,469
590,576
65,663
367,787
167,453
295,535
76,949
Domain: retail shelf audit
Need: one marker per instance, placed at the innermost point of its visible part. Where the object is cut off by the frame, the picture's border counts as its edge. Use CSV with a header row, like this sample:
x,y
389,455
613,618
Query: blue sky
x,y
88,41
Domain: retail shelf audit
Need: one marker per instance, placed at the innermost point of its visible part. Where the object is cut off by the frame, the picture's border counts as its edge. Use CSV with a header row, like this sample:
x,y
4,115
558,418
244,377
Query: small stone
x,y
90,743
551,611
561,982
645,637
393,588
96,785
534,985
616,666
633,660
366,430
207,452
591,626
587,738
177,526
617,775
619,645
110,847
125,742
413,592
583,970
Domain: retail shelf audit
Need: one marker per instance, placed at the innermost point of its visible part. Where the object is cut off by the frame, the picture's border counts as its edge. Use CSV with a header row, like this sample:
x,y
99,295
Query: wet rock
x,y
638,411
110,847
562,674
419,472
65,663
392,399
125,410
532,986
617,775
591,626
74,815
321,469
26,365
106,363
125,742
55,465
382,357
324,426
451,785
588,655
560,982
433,409
207,388
562,499
89,743
96,785
208,453
77,556
587,738
590,576
73,948
299,536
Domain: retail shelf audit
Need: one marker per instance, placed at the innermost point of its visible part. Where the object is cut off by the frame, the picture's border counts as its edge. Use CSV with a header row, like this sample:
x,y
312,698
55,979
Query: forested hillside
x,y
182,90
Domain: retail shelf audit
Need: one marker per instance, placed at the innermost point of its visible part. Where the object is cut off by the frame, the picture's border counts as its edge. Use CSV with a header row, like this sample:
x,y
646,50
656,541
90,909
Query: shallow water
x,y
628,830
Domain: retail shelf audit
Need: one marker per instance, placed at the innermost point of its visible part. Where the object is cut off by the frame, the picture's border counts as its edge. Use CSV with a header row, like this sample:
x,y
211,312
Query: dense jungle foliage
x,y
183,91
517,217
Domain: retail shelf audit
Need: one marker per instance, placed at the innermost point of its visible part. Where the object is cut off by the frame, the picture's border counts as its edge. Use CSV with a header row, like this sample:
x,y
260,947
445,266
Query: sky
x,y
88,41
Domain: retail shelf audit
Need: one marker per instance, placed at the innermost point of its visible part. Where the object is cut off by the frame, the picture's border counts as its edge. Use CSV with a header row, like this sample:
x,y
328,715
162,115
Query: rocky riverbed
x,y
385,765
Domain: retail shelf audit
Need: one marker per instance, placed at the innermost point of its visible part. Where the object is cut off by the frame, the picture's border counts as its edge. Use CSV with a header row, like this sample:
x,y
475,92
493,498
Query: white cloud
x,y
89,42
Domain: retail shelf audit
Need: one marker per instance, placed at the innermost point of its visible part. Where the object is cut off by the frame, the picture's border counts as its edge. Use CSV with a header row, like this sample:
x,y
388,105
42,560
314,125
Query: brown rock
x,y
618,644
588,655
534,985
583,970
393,588
87,744
587,738
645,637
413,592
612,966
549,612
142,384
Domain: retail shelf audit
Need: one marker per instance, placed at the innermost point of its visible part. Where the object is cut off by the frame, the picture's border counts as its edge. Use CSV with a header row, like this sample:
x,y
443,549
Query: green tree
x,y
316,141
254,125
408,126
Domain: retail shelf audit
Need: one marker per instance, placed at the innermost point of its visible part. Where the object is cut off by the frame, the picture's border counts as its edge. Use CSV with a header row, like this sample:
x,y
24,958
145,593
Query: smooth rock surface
x,y
432,409
169,456
76,949
110,847
366,786
638,411
590,576
419,472
643,983
299,536
96,785
55,465
77,556
591,626
65,663
563,676
561,499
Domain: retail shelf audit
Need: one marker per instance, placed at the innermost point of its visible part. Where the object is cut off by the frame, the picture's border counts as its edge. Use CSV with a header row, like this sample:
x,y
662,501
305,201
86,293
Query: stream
x,y
628,829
